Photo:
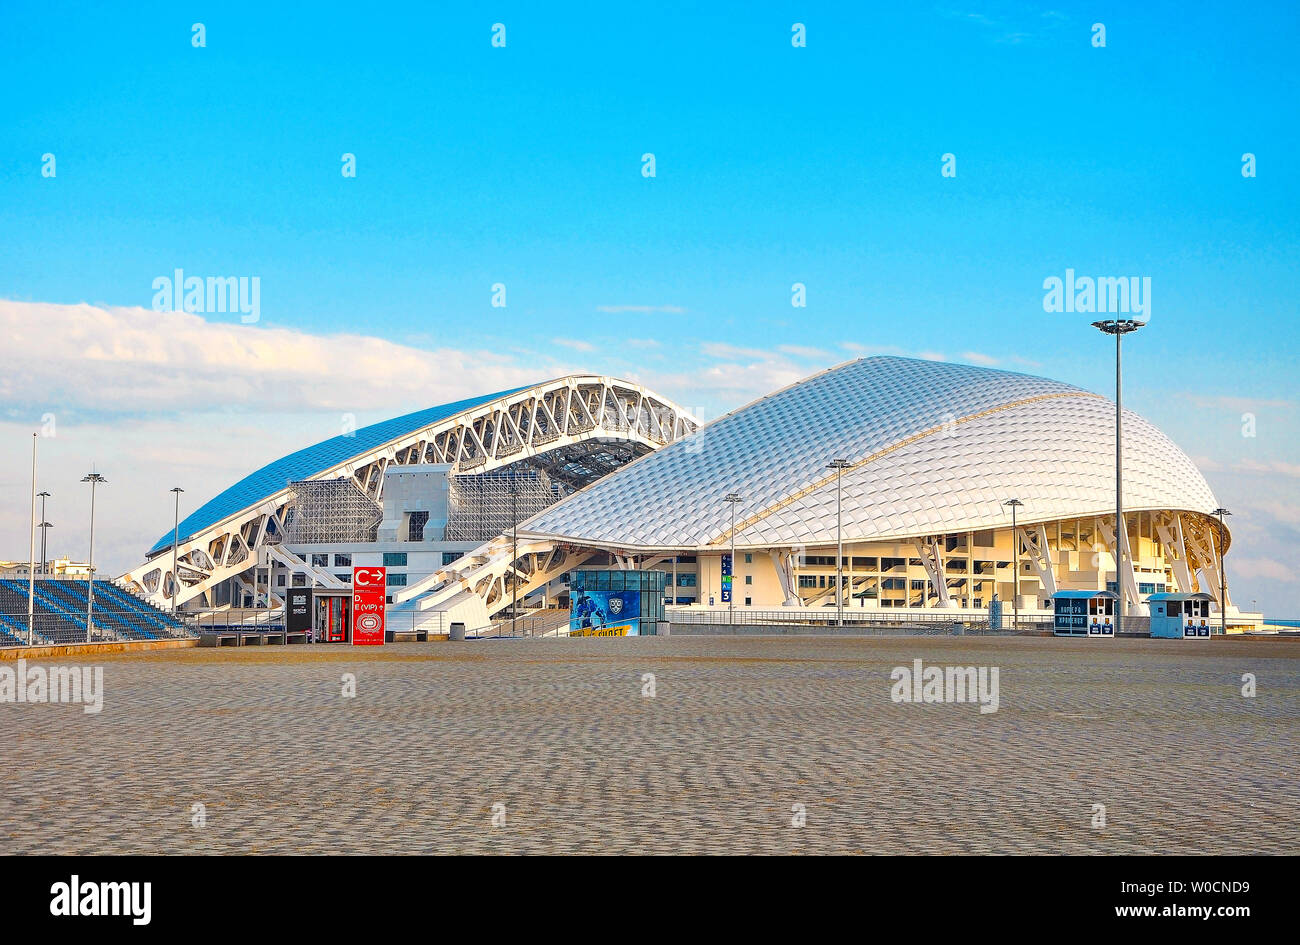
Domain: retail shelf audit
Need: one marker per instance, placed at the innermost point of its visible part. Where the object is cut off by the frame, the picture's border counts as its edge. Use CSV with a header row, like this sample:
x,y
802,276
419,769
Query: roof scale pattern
x,y
934,447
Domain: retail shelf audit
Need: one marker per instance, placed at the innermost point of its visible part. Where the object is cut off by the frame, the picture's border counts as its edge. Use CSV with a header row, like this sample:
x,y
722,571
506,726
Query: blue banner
x,y
604,613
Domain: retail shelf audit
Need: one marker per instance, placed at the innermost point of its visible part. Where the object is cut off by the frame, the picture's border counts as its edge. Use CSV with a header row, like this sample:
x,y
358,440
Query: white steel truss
x,y
495,574
576,428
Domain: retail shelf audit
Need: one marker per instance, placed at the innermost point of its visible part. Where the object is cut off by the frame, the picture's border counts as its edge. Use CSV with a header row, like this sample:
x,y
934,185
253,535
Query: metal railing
x,y
858,621
243,619
547,623
66,628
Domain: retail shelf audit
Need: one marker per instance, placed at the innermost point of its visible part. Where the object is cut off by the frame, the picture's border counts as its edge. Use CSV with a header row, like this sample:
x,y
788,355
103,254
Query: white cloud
x,y
1269,568
730,352
727,385
575,343
801,351
1276,467
136,360
1237,404
866,351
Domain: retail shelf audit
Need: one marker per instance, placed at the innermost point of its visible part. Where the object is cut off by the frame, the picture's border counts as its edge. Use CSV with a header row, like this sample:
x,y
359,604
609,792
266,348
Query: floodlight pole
x,y
514,559
1119,328
1223,574
176,540
732,499
94,479
44,526
1015,566
839,465
31,554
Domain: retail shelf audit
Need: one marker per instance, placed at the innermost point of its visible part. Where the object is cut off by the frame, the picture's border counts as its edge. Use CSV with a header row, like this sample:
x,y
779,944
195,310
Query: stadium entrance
x,y
333,616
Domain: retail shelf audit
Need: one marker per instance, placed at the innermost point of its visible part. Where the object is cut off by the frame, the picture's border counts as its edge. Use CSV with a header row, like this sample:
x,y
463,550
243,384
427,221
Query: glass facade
x,y
649,584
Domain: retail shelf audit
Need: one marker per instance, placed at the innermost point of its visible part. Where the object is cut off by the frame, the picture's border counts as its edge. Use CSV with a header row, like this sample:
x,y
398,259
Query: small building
x,y
1180,616
616,603
1084,614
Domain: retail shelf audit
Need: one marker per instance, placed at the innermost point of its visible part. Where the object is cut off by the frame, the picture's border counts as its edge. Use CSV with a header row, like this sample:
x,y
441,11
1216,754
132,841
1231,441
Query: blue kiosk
x,y
1088,614
1180,616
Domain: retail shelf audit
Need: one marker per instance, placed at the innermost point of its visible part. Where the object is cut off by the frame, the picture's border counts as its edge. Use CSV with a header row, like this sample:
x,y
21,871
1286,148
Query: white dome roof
x,y
934,447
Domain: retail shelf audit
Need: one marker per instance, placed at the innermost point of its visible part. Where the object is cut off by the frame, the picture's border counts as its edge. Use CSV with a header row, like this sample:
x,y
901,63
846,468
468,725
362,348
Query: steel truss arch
x,y
577,428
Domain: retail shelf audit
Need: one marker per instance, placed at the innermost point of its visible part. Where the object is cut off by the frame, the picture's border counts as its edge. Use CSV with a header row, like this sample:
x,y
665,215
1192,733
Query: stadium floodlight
x,y
732,499
95,479
839,465
1119,327
176,540
1015,566
1223,574
43,526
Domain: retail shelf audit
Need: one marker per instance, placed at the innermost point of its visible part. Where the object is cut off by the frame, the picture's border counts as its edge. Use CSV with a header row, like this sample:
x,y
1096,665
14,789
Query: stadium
x,y
483,508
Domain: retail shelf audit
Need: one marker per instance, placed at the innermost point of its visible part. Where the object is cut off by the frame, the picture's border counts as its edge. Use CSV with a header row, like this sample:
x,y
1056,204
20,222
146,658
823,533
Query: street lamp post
x,y
94,479
514,554
1223,575
31,554
732,499
176,540
1015,566
1119,328
839,465
43,526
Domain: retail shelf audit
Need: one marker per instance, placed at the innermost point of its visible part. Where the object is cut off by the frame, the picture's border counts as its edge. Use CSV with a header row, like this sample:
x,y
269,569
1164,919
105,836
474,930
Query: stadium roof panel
x,y
313,460
933,446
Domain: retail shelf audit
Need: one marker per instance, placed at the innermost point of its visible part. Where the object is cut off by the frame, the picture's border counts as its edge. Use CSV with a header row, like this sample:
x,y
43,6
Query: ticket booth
x,y
1180,616
1088,614
333,618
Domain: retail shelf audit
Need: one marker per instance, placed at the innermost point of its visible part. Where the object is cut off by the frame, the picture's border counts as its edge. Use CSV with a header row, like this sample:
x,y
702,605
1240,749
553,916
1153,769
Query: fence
x,y
433,623
59,614
859,620
245,619
548,623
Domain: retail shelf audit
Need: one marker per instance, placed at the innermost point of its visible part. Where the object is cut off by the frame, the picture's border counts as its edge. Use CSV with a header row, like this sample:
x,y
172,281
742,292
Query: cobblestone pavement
x,y
738,732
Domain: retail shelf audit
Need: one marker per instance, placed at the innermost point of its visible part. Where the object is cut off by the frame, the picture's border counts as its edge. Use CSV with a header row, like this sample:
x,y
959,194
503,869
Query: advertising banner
x,y
297,612
604,613
368,588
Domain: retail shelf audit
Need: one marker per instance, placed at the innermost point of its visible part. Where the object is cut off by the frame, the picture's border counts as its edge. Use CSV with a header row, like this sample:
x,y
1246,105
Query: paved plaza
x,y
738,732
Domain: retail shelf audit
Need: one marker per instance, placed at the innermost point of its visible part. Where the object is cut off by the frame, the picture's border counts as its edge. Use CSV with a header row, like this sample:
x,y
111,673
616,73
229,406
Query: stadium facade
x,y
929,453
413,493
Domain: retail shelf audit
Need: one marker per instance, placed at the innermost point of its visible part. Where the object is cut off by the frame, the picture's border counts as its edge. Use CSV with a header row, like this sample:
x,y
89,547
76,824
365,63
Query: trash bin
x,y
457,631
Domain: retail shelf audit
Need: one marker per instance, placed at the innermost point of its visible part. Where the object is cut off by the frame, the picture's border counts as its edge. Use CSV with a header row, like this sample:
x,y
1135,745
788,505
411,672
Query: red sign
x,y
368,589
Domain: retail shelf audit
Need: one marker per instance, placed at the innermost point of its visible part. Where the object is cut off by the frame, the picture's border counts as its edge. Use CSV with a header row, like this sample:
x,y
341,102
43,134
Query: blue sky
x,y
522,165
